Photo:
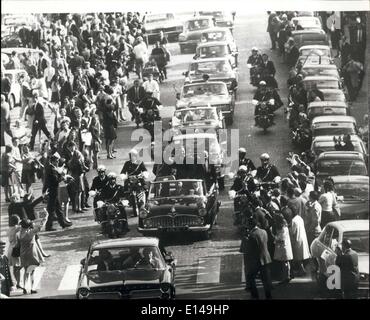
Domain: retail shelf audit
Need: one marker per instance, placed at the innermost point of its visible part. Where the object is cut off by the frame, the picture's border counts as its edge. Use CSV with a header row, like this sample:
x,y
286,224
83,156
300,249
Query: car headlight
x,y
182,37
83,293
179,28
202,212
147,223
364,277
143,213
165,287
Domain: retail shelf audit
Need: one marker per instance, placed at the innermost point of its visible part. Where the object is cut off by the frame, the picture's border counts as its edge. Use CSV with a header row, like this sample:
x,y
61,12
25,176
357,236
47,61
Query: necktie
x,y
136,94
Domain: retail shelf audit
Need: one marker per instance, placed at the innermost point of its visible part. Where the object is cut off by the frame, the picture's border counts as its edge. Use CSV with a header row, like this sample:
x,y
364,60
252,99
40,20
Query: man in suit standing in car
x,y
256,259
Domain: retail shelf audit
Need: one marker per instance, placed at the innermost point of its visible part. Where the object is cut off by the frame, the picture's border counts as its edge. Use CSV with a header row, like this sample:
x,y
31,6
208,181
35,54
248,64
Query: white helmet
x,y
265,156
254,49
112,175
262,83
101,168
243,168
242,150
133,152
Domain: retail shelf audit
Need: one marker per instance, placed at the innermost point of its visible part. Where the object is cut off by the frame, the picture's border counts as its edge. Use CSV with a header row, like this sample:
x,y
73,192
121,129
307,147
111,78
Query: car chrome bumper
x,y
189,43
175,229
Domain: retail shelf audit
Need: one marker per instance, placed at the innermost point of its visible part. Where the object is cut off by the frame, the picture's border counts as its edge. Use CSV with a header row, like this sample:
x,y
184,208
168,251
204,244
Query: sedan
x,y
308,23
217,49
333,125
323,248
310,37
322,144
330,108
127,268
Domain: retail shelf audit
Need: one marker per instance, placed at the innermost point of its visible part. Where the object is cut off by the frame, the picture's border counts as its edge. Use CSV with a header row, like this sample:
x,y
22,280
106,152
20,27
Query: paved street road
x,y
209,269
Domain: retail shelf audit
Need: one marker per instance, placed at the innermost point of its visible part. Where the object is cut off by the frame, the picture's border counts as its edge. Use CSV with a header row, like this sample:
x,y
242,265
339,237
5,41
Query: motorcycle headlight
x,y
232,194
83,293
272,101
143,213
92,193
165,287
125,203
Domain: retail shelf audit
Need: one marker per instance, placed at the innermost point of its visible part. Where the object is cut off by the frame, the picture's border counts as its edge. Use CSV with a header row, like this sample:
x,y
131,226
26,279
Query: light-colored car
x,y
192,32
320,70
310,37
15,93
19,20
333,126
313,60
219,34
322,144
323,248
352,196
322,82
327,108
126,274
202,94
317,49
308,23
333,95
154,23
217,49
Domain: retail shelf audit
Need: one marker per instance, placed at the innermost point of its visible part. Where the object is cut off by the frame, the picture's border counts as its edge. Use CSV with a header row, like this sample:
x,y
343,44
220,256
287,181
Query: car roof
x,y
198,83
350,225
354,155
199,18
195,135
327,104
217,29
314,46
318,66
333,119
211,59
351,179
184,180
331,90
213,43
19,50
308,31
197,108
125,242
308,78
354,138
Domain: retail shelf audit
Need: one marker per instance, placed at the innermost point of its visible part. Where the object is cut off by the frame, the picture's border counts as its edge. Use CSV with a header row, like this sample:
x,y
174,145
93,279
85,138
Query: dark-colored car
x,y
127,268
183,205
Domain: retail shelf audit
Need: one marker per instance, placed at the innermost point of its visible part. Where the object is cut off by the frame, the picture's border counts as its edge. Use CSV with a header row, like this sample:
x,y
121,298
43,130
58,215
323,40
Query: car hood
x,y
188,206
127,277
363,263
202,100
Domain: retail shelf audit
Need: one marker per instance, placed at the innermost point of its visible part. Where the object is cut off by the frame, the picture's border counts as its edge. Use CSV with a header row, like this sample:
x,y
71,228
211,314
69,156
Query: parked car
x,y
222,18
323,249
183,205
313,60
198,118
320,70
128,274
327,108
322,144
218,69
321,82
333,126
352,196
339,163
315,49
154,23
192,32
212,93
218,49
15,93
310,37
308,23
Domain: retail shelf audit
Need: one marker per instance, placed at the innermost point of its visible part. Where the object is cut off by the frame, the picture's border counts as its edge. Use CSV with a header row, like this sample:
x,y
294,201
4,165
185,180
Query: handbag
x,y
16,252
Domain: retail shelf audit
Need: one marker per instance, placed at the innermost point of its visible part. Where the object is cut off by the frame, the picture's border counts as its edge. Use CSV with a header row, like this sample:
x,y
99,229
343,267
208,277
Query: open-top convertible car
x,y
197,118
127,268
179,205
212,93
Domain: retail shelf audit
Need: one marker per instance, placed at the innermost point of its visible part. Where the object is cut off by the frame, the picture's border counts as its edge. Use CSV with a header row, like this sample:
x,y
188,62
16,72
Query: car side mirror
x,y
82,262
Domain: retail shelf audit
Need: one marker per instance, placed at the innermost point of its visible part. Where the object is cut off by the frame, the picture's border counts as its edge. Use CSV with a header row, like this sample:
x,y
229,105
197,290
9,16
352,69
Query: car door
x,y
322,244
328,255
232,56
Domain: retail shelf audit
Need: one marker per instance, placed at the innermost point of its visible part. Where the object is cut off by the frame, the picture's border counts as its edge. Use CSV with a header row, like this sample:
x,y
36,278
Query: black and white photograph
x,y
191,151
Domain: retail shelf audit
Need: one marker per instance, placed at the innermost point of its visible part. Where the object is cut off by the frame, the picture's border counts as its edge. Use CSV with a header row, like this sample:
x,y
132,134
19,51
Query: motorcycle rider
x,y
267,172
254,60
148,118
262,95
244,161
100,181
150,102
265,93
267,71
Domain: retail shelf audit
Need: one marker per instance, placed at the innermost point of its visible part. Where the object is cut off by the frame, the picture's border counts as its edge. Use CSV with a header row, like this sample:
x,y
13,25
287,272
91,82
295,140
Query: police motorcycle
x,y
110,210
264,114
148,117
253,63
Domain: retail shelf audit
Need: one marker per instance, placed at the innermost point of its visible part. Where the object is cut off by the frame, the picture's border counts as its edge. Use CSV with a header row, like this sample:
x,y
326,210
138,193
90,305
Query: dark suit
x,y
292,57
267,71
134,96
4,270
102,267
256,260
39,123
348,264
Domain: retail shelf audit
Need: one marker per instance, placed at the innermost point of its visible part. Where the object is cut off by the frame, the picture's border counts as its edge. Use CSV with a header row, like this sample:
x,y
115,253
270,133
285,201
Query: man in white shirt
x,y
141,55
152,86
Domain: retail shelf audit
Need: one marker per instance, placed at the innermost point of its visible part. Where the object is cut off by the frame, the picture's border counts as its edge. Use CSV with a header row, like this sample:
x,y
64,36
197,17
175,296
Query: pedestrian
x,y
312,217
353,72
347,261
292,54
6,281
13,254
140,52
298,238
329,204
295,201
96,139
30,165
333,24
152,85
5,119
273,27
110,124
357,35
30,254
283,247
257,259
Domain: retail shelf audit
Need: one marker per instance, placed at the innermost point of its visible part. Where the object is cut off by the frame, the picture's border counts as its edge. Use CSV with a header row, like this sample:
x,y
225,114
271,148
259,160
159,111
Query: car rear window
x,y
342,167
359,239
320,147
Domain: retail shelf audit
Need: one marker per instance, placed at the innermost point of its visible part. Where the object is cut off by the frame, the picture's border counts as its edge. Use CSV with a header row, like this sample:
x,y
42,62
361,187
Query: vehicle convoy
x,y
213,93
127,268
264,115
322,144
193,30
217,49
154,23
323,249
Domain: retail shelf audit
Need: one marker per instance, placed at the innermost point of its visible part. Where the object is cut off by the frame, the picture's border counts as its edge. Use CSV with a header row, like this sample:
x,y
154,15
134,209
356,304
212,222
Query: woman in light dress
x,y
13,238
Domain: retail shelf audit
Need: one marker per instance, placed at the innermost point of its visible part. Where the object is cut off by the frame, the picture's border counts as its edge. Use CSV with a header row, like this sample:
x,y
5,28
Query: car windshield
x,y
353,190
334,130
213,51
334,96
159,17
342,167
359,240
329,146
204,88
198,24
210,67
318,111
330,84
176,189
197,146
113,260
196,115
315,51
